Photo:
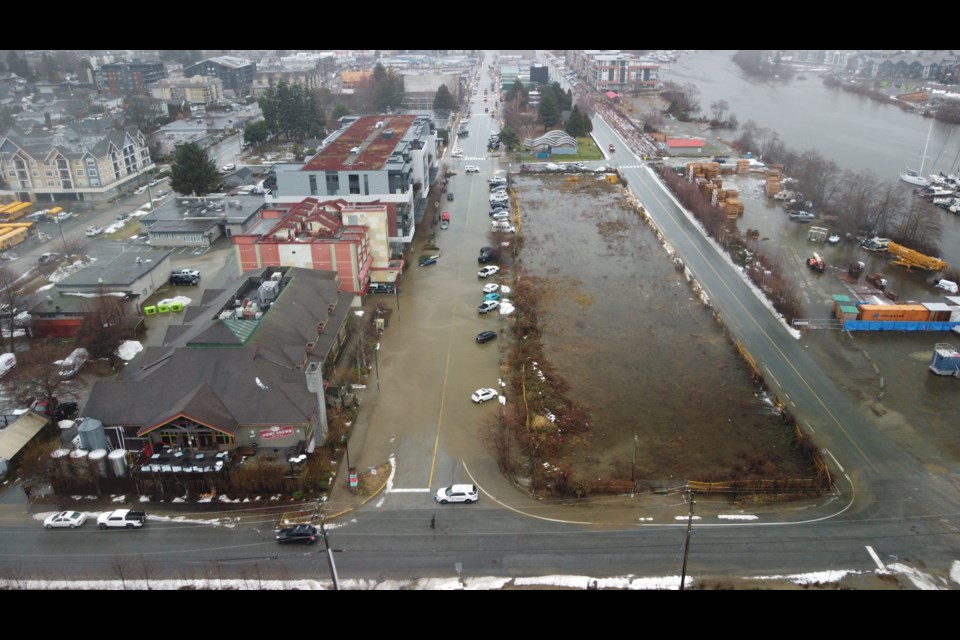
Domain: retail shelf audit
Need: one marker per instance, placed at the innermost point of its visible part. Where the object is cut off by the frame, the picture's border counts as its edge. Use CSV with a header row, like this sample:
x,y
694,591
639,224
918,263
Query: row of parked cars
x,y
117,519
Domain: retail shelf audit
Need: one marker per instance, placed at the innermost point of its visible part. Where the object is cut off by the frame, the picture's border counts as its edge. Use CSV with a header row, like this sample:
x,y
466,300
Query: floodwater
x,y
639,349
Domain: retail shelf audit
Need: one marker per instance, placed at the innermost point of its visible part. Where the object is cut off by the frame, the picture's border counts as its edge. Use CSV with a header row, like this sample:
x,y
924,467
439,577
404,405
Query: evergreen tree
x,y
256,132
192,172
509,138
576,126
339,110
549,113
444,100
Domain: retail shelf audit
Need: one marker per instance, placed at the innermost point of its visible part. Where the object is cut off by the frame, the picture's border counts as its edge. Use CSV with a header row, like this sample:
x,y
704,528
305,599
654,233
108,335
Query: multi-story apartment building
x,y
389,160
55,170
614,70
129,78
236,73
195,90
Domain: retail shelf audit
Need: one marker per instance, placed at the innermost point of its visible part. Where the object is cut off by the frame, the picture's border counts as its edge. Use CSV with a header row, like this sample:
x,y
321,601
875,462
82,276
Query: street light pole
x,y
376,360
633,470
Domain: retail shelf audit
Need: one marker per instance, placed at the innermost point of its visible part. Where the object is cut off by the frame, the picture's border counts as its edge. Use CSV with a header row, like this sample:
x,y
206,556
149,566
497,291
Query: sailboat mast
x,y
923,158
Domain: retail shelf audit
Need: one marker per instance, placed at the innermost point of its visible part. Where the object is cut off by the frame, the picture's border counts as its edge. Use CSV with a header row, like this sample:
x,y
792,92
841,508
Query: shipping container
x,y
894,312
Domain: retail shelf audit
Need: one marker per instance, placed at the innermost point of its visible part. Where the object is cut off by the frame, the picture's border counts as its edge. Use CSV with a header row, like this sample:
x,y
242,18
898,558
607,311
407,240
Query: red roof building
x,y
334,235
687,144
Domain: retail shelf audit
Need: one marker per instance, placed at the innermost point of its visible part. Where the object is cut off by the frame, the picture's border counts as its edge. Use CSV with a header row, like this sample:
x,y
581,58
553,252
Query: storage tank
x,y
118,463
61,458
92,435
78,461
98,460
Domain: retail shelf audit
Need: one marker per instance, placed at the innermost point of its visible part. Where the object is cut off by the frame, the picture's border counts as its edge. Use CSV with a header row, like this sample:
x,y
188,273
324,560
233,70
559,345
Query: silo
x,y
98,460
92,435
118,462
61,458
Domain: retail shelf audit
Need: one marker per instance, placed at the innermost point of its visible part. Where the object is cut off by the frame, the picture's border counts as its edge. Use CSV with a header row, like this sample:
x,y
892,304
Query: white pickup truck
x,y
122,519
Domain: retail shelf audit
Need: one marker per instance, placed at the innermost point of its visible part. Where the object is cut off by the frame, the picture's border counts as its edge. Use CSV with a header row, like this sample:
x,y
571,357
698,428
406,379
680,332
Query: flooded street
x,y
639,349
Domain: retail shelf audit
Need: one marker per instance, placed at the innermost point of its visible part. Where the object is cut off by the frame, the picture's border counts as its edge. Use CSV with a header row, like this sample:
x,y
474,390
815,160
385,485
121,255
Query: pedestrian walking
x,y
433,521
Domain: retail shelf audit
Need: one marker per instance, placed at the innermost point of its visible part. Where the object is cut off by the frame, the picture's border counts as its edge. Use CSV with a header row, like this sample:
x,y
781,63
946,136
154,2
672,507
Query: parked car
x,y
488,270
463,134
486,336
47,258
93,231
502,225
471,168
426,262
612,148
230,166
449,196
487,306
186,271
183,280
465,493
482,395
484,258
500,215
73,363
491,296
65,519
122,519
493,287
456,153
381,287
301,533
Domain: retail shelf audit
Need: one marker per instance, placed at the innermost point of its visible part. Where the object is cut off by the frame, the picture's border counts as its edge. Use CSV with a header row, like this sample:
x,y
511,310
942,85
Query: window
x,y
354,180
48,173
313,185
366,184
36,174
223,438
80,172
333,183
94,183
51,183
91,162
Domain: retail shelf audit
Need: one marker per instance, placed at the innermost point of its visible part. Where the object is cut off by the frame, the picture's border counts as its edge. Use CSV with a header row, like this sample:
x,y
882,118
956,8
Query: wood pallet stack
x,y
709,170
743,167
734,207
772,186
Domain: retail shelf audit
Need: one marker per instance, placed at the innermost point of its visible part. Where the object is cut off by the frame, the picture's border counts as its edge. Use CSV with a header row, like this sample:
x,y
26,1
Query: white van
x,y
71,365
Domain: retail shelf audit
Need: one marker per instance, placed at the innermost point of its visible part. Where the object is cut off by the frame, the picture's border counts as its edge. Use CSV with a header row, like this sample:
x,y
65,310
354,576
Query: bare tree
x,y
920,226
36,374
856,198
719,109
105,326
13,299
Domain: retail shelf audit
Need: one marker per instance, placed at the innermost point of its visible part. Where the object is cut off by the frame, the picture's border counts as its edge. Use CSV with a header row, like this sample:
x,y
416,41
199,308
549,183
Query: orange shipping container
x,y
894,312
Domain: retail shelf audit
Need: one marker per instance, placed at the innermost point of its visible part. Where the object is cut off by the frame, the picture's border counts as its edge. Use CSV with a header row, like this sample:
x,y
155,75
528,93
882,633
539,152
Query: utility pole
x,y
633,470
329,552
686,545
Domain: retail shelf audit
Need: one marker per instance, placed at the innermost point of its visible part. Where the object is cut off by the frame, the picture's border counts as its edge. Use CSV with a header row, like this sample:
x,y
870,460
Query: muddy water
x,y
638,349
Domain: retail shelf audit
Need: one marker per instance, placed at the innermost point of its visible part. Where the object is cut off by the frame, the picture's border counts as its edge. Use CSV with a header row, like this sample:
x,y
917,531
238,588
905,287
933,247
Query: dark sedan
x,y
302,533
486,336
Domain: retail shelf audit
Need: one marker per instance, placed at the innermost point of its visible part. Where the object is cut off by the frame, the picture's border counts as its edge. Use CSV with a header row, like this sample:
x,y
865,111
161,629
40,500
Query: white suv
x,y
466,493
470,168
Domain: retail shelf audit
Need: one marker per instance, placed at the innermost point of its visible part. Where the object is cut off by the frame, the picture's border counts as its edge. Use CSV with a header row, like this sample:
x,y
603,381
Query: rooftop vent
x,y
380,125
388,134
354,150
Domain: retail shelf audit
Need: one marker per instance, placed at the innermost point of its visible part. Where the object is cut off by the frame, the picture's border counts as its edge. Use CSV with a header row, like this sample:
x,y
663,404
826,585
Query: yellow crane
x,y
914,259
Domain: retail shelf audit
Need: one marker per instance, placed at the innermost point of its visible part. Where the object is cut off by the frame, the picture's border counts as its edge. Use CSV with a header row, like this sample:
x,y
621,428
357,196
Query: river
x,y
852,130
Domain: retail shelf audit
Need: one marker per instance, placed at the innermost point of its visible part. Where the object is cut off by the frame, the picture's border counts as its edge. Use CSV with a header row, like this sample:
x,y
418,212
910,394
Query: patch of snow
x,y
128,349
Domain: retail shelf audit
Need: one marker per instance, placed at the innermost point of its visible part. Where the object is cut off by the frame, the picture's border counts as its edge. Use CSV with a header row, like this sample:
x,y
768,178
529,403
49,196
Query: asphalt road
x,y
888,507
